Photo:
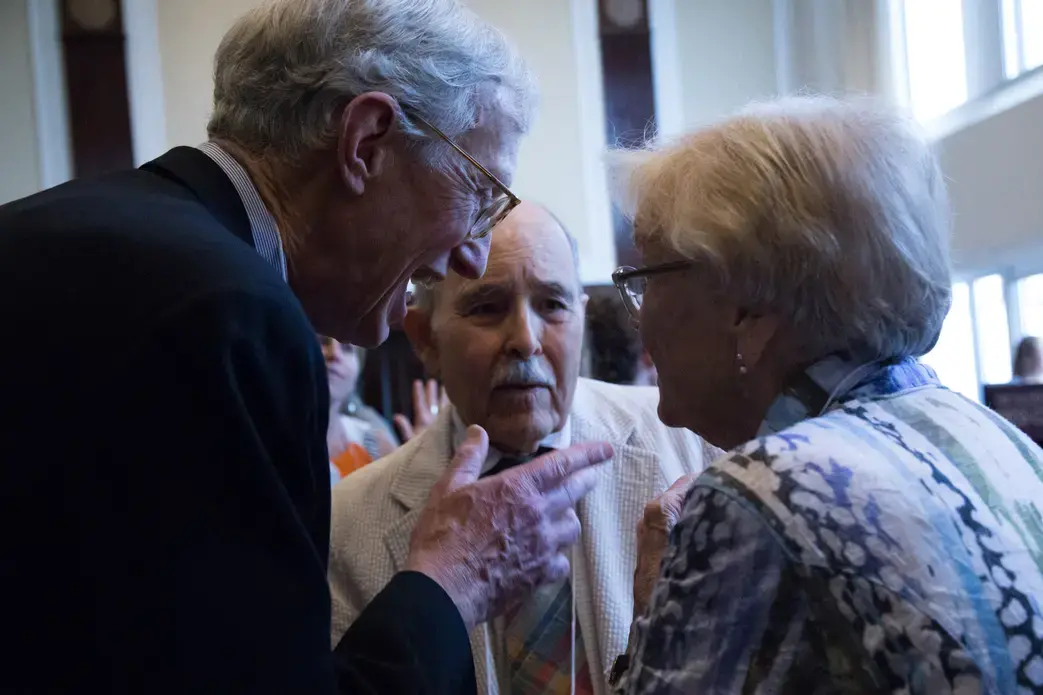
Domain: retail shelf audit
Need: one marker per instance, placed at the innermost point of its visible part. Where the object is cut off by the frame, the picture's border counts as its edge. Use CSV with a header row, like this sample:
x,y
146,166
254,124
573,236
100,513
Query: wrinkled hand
x,y
489,543
428,399
653,537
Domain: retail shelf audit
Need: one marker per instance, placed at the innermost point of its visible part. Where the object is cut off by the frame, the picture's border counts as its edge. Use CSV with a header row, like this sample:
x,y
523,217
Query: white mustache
x,y
531,373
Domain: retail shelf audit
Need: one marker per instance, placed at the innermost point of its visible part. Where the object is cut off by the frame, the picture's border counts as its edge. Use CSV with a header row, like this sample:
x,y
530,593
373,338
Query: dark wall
x,y
96,79
626,65
387,377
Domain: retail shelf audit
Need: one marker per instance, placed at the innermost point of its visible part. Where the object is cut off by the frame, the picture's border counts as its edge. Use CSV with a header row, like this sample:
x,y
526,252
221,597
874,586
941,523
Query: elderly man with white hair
x,y
508,348
870,531
174,535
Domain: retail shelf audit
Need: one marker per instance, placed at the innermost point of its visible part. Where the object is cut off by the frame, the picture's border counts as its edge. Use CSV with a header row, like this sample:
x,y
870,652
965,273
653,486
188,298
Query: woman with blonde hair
x,y
870,530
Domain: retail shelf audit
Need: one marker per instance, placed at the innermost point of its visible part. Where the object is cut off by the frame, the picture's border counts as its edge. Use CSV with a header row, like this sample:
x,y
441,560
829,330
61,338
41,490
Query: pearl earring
x,y
742,364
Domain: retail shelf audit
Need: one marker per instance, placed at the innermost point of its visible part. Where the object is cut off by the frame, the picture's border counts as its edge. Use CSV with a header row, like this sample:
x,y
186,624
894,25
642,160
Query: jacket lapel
x,y
412,483
411,488
608,517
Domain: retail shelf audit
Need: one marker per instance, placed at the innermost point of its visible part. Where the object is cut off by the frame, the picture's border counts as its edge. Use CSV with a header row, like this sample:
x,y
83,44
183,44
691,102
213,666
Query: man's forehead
x,y
528,246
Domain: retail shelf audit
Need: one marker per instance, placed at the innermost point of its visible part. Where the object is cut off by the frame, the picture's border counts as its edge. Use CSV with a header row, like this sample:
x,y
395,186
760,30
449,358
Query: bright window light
x,y
953,355
990,314
1011,39
1032,33
1022,36
935,56
1030,305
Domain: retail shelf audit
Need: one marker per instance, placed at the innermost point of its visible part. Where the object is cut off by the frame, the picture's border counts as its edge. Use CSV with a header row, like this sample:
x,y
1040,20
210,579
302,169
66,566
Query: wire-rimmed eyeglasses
x,y
501,206
631,283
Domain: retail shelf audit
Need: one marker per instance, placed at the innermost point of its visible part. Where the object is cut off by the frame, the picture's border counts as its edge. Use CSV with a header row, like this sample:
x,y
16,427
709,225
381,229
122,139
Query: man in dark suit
x,y
172,536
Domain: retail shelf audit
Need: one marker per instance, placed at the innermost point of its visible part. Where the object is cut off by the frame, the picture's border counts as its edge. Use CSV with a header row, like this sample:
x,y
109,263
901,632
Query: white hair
x,y
830,213
284,71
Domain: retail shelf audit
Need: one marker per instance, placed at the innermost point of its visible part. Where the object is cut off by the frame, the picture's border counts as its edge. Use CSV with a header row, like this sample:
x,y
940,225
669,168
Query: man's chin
x,y
509,435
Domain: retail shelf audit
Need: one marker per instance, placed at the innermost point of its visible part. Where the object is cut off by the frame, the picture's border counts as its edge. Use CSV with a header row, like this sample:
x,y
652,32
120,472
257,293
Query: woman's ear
x,y
417,326
753,334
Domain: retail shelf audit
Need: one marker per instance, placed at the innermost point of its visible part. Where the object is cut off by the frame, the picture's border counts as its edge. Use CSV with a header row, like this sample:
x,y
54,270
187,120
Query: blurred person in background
x,y
870,530
613,345
508,347
352,146
1028,362
357,438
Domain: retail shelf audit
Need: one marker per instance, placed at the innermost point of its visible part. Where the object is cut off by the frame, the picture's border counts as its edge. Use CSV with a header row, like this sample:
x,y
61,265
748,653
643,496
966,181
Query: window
x,y
935,56
1030,305
953,356
1022,36
993,330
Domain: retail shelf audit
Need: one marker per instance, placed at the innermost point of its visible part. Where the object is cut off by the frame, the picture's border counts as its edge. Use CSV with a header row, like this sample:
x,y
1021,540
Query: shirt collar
x,y
838,378
265,231
561,439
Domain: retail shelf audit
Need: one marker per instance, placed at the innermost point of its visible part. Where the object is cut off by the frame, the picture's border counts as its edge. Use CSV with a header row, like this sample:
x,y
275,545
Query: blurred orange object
x,y
351,459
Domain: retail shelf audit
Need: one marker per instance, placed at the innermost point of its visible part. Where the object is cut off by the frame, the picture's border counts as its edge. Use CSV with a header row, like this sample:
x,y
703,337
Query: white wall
x,y
189,32
726,51
995,173
561,162
144,79
19,158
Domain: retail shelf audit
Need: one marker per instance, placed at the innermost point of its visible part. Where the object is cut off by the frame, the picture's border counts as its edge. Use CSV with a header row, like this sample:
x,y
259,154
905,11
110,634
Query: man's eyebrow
x,y
556,289
485,291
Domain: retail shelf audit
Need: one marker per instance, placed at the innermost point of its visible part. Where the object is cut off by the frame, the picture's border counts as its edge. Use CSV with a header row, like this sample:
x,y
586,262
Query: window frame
x,y
985,45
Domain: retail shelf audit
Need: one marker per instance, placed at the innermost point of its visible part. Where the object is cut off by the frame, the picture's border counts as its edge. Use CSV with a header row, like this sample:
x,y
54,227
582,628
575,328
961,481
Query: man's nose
x,y
523,339
469,258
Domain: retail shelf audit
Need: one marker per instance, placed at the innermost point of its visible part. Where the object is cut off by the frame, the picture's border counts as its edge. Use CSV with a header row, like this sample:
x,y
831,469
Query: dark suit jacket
x,y
172,534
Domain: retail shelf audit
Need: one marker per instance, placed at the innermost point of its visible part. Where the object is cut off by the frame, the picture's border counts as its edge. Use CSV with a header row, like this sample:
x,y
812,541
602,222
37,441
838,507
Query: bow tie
x,y
508,462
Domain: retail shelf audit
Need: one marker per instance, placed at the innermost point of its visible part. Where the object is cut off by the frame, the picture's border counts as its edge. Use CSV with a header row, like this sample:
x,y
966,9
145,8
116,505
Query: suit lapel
x,y
412,483
609,517
411,488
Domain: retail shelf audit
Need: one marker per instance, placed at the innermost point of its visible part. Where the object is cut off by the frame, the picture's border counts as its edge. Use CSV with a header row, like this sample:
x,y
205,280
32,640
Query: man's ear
x,y
753,333
417,326
367,125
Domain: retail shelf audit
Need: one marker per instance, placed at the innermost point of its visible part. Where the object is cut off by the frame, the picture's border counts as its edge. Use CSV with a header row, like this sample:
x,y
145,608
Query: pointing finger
x,y
572,490
551,470
467,463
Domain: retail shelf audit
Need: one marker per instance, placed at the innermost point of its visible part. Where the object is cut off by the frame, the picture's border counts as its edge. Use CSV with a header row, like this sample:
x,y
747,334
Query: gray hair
x,y
830,213
283,71
423,298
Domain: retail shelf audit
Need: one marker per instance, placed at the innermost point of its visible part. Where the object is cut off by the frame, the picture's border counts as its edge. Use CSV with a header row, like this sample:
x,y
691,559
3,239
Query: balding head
x,y
508,345
527,218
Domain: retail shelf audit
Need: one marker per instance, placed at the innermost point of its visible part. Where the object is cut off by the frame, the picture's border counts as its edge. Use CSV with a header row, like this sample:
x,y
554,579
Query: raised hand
x,y
489,543
653,536
428,400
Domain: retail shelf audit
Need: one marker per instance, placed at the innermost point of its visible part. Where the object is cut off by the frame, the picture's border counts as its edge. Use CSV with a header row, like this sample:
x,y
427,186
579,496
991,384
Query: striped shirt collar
x,y
265,231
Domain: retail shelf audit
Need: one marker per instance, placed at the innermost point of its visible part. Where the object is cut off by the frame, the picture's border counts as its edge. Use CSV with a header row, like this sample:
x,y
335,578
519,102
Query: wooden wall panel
x,y
626,63
96,77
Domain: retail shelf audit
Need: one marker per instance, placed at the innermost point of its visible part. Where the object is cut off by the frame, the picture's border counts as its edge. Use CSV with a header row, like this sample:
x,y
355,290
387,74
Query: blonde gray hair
x,y
284,71
830,213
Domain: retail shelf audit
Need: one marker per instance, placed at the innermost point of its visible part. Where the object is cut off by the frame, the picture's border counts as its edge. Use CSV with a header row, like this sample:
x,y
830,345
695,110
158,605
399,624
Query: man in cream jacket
x,y
508,348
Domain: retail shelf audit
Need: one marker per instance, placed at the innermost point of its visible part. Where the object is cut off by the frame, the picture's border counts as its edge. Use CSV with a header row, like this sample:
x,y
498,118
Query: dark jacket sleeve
x,y
409,639
206,512
225,526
